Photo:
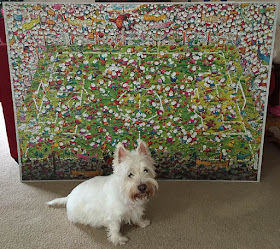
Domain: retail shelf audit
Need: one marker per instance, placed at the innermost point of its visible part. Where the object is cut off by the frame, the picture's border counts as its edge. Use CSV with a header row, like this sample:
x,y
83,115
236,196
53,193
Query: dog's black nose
x,y
142,188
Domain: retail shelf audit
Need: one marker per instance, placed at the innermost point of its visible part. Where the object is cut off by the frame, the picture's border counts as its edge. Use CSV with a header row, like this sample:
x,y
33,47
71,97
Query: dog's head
x,y
136,171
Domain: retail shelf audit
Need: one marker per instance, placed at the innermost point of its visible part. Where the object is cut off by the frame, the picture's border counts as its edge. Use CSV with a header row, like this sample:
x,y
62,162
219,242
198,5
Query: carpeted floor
x,y
184,214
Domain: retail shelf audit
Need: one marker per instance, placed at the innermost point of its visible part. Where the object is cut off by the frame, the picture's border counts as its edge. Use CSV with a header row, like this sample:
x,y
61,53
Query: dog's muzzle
x,y
143,191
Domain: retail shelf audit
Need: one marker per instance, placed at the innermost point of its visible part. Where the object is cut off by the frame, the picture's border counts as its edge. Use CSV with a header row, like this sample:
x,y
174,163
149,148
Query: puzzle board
x,y
189,79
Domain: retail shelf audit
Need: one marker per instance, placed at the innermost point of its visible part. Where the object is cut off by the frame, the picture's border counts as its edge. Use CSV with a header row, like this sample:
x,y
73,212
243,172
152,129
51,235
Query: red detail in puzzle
x,y
6,93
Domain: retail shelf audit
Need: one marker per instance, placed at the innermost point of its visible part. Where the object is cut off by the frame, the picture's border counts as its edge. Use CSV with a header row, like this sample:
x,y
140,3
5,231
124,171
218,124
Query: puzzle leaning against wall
x,y
189,79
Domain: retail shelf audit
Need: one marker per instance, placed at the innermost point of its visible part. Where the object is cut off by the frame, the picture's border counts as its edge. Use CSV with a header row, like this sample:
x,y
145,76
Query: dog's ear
x,y
143,148
120,152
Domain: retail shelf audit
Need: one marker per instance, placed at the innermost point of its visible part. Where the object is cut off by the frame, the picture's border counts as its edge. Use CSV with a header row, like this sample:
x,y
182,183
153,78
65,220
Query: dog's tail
x,y
58,202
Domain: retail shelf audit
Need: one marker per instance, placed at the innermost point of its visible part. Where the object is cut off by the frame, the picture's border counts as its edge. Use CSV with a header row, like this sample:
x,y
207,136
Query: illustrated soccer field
x,y
84,101
190,79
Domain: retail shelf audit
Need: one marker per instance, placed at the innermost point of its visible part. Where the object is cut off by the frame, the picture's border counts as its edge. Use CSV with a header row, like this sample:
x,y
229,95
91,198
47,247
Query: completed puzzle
x,y
191,80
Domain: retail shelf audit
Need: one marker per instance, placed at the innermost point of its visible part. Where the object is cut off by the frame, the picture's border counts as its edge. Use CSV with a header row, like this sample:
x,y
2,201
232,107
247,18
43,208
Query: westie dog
x,y
119,198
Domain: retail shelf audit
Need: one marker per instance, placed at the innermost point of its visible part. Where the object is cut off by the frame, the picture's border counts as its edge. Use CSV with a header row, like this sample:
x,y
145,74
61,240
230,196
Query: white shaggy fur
x,y
119,198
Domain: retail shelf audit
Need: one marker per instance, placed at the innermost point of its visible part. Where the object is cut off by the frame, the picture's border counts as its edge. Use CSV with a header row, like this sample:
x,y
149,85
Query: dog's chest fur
x,y
133,212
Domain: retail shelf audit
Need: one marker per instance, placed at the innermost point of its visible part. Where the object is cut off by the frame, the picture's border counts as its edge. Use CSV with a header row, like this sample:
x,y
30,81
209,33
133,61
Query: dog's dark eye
x,y
146,171
130,175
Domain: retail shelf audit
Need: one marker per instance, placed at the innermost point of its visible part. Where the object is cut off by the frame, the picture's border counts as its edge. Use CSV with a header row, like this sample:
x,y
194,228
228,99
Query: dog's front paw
x,y
118,239
143,223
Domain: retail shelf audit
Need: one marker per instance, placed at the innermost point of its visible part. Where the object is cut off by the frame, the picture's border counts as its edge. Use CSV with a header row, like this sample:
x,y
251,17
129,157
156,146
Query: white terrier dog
x,y
119,198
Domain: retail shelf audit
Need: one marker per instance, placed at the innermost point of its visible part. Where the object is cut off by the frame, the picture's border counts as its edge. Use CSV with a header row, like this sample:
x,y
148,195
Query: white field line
x,y
36,106
39,112
38,109
229,159
139,101
44,90
208,159
243,94
244,128
81,97
26,152
234,122
136,53
217,90
227,133
83,88
223,118
201,119
39,87
242,91
197,93
244,97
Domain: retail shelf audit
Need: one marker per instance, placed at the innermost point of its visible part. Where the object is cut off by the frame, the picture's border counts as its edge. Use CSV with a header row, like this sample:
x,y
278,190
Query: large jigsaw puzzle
x,y
189,79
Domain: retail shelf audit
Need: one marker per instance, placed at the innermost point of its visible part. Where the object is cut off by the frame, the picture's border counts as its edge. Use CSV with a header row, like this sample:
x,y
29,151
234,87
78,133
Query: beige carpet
x,y
184,214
